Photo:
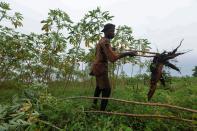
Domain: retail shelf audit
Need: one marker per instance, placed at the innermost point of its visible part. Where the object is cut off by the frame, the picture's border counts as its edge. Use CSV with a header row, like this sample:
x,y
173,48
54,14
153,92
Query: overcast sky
x,y
163,22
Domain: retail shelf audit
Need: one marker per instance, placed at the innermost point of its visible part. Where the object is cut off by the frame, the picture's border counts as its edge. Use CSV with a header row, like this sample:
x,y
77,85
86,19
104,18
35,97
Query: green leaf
x,y
5,6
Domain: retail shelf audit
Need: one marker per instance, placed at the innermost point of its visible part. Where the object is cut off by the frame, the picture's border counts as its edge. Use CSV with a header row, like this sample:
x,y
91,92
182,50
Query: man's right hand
x,y
132,53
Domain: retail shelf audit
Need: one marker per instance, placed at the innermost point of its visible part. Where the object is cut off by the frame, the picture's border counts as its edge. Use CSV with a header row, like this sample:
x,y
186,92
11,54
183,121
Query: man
x,y
104,53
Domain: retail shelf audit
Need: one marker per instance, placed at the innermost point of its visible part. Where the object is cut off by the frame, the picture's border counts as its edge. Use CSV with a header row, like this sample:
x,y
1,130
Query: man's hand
x,y
132,53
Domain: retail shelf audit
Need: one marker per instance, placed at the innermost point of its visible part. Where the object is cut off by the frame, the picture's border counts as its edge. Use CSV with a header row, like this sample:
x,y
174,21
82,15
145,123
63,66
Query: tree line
x,y
64,50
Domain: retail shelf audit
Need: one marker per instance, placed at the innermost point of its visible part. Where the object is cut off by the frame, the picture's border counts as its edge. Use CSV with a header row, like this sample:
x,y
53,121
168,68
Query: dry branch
x,y
145,55
148,52
47,123
138,103
143,116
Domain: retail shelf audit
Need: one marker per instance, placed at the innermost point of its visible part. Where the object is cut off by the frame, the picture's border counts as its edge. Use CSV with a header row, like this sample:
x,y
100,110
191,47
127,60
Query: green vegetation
x,y
45,107
38,72
58,52
195,71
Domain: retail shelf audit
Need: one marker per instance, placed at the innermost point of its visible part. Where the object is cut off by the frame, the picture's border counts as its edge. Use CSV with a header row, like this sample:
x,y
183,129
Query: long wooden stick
x,y
146,55
143,116
144,51
47,123
135,102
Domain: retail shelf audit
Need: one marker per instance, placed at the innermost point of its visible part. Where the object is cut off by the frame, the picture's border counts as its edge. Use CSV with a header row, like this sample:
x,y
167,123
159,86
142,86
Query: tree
x,y
56,53
16,19
194,71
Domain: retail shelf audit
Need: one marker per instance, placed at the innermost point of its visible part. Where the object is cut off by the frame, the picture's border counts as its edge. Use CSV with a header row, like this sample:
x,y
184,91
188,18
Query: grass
x,y
68,114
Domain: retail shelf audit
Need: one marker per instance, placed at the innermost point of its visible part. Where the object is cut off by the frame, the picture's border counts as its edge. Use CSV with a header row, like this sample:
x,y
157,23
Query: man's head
x,y
109,30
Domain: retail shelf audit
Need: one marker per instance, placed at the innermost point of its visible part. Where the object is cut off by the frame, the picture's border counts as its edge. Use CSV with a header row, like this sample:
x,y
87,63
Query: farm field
x,y
54,54
41,107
